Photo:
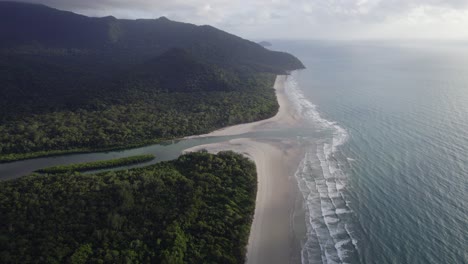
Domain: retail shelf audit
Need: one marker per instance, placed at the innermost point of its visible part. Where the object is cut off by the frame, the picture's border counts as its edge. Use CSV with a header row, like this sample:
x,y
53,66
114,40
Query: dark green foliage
x,y
196,209
145,117
46,29
71,83
96,165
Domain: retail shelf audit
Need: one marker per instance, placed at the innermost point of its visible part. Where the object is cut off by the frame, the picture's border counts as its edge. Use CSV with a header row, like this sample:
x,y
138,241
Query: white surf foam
x,y
322,183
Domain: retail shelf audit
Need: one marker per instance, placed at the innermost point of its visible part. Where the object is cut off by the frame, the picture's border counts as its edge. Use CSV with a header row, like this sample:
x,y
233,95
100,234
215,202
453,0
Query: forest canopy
x,y
196,209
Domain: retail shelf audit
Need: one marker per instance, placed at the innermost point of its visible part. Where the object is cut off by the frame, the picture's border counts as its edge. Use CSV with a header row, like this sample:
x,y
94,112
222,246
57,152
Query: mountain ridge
x,y
63,29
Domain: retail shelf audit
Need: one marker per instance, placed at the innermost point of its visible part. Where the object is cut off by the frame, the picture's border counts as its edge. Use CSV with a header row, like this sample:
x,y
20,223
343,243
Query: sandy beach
x,y
278,227
286,116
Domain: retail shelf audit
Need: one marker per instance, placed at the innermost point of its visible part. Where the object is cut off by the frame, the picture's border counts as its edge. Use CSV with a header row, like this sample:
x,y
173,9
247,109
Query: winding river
x,y
165,151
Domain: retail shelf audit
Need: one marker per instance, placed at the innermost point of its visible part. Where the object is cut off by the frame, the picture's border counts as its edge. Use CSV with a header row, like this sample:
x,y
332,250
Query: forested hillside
x,y
196,209
75,83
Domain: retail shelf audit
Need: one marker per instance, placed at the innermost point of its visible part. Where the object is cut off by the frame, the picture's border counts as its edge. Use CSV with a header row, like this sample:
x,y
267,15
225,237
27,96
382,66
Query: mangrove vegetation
x,y
97,165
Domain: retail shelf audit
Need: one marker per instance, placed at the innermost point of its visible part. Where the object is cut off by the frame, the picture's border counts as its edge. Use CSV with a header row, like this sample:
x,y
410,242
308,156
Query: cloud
x,y
295,19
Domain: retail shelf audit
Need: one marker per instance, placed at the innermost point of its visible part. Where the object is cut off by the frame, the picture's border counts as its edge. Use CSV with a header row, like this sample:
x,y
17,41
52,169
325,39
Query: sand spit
x,y
278,228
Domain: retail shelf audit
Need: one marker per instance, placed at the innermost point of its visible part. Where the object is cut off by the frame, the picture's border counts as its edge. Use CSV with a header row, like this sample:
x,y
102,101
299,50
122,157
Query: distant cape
x,y
265,43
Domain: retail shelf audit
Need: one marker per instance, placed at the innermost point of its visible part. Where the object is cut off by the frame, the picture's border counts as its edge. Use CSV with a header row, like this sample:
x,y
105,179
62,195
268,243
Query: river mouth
x,y
317,175
164,151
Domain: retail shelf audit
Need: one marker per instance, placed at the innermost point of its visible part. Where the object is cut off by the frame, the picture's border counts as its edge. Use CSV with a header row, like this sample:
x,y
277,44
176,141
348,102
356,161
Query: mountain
x,y
70,82
47,29
177,70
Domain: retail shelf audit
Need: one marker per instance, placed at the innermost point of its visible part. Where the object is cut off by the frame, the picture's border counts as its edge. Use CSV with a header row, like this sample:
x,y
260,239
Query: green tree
x,y
80,256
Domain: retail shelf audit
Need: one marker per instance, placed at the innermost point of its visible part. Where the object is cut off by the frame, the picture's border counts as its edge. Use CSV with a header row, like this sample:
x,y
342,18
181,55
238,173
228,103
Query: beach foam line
x,y
323,183
319,177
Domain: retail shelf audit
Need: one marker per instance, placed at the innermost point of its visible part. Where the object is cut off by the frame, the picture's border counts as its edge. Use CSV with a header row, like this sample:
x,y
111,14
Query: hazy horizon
x,y
302,19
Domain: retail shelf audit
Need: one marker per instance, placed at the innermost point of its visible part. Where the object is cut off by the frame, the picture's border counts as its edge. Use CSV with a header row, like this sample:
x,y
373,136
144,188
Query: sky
x,y
297,19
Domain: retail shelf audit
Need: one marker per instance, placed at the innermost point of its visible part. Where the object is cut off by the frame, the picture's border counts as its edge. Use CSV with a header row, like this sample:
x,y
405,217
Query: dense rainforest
x,y
196,209
73,83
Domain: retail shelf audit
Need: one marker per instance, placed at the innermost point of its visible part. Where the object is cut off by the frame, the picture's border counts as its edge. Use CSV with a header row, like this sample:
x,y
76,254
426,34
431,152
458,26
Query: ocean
x,y
385,179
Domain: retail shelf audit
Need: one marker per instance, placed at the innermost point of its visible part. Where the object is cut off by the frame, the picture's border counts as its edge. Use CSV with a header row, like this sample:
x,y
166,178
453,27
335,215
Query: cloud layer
x,y
343,19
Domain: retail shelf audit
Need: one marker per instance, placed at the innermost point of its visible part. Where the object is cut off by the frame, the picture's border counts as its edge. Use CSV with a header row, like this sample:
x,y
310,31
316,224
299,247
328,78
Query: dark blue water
x,y
404,107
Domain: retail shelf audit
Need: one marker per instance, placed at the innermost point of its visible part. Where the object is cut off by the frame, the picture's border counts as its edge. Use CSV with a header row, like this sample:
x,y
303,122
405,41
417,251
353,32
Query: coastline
x,y
278,228
286,116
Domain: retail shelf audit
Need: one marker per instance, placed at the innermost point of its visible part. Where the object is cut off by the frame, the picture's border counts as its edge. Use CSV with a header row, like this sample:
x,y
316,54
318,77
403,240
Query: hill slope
x,y
31,25
75,83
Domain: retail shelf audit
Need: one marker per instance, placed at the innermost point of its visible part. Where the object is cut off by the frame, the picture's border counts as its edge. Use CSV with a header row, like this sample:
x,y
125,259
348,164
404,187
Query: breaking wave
x,y
322,181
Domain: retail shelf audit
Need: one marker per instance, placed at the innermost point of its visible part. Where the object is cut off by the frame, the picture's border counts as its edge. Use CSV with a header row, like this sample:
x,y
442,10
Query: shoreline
x,y
286,116
278,229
